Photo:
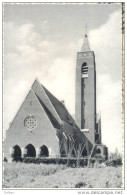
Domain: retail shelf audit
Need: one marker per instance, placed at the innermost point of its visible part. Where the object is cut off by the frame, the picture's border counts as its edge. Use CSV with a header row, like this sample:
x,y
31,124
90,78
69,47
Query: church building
x,y
43,127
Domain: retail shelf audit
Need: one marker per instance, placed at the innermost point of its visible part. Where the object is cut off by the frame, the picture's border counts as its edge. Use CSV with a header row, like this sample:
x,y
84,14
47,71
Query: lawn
x,y
21,175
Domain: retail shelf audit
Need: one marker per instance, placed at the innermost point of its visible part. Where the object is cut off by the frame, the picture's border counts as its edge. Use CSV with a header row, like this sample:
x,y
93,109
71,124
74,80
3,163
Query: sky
x,y
42,40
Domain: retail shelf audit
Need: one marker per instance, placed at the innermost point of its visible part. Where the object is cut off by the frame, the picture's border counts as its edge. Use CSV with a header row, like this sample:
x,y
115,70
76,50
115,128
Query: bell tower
x,y
85,106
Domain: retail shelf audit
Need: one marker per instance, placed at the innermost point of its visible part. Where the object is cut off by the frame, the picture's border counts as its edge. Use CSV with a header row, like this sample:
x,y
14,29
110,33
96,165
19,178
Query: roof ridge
x,y
49,114
68,115
51,105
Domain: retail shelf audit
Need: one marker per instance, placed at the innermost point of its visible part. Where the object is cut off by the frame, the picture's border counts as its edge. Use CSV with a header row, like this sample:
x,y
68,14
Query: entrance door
x,y
17,153
31,152
44,151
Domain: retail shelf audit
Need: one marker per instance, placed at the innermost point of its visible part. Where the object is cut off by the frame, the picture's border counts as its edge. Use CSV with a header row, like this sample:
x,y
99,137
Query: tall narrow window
x,y
84,70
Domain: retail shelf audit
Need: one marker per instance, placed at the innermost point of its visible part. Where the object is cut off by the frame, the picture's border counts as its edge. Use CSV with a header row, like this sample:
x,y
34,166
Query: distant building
x,y
43,126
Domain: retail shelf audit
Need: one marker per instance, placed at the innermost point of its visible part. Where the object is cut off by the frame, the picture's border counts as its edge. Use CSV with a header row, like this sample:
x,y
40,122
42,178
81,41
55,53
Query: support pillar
x,y
24,152
38,151
11,154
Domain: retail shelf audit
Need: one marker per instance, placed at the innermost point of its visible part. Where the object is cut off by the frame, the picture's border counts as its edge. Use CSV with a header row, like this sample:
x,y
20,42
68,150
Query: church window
x,y
30,122
84,152
98,151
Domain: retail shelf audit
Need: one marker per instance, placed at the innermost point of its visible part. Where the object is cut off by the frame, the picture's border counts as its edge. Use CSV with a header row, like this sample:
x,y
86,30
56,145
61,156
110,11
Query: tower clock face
x,y
30,123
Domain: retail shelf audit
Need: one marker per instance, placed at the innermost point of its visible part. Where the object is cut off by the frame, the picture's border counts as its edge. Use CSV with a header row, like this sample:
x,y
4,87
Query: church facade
x,y
43,126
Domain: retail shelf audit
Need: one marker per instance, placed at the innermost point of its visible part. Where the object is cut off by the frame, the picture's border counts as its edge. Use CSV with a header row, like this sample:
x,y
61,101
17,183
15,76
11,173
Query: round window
x,y
30,122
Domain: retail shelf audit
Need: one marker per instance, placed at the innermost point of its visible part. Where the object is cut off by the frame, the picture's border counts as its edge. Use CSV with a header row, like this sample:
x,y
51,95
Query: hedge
x,y
71,162
114,162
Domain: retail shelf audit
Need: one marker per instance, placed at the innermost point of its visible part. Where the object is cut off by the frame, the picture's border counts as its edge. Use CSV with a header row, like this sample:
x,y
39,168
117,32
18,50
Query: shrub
x,y
5,159
70,162
114,162
80,185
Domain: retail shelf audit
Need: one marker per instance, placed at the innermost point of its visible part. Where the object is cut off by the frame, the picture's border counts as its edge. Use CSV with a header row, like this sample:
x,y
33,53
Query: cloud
x,y
107,44
28,56
29,53
109,102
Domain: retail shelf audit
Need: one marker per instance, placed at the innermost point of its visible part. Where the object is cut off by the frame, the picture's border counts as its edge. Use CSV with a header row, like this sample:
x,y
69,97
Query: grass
x,y
20,175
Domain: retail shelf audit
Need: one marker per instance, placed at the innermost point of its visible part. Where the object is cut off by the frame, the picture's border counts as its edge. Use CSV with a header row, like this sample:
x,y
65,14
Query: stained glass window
x,y
30,122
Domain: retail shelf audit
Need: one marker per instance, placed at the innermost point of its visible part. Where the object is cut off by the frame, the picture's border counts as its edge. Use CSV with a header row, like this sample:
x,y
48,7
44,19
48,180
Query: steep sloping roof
x,y
54,122
40,92
60,108
56,110
85,46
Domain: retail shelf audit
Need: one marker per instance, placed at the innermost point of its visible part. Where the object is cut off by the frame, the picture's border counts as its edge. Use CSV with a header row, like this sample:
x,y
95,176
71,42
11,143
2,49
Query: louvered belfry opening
x,y
84,70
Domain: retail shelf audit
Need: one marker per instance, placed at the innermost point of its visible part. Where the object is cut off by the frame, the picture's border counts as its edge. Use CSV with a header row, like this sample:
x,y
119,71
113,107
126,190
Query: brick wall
x,y
86,93
44,134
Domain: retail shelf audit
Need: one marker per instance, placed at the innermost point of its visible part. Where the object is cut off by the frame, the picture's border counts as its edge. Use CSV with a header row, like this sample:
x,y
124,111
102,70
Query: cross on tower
x,y
85,29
